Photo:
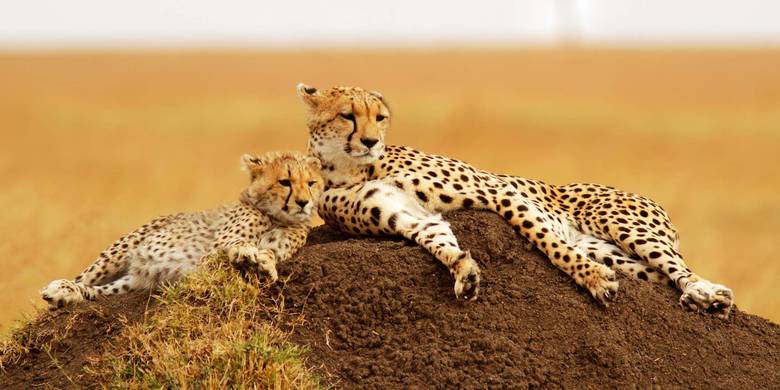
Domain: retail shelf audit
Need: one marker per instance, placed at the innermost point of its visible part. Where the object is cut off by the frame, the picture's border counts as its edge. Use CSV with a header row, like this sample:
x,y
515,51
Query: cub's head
x,y
284,185
346,124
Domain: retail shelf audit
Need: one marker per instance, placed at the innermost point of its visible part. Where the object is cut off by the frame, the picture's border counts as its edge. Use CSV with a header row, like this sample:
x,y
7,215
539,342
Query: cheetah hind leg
x,y
698,294
615,258
63,292
713,298
113,261
123,285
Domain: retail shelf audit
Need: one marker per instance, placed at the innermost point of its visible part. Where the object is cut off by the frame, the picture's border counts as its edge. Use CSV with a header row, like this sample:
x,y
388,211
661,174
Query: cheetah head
x,y
283,185
347,125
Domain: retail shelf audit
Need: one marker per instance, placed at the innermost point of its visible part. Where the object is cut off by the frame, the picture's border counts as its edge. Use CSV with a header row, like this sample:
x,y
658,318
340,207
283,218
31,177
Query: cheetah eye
x,y
284,182
311,183
380,118
349,117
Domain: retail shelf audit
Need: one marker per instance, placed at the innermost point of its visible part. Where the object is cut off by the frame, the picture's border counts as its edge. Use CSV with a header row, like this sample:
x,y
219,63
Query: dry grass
x,y
215,331
97,144
20,339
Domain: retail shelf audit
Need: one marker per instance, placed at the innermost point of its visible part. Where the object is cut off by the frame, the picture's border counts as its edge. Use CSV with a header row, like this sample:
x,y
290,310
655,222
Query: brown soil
x,y
382,314
67,338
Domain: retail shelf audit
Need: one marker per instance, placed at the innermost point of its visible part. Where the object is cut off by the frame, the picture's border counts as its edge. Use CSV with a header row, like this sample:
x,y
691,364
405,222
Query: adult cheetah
x,y
269,223
586,230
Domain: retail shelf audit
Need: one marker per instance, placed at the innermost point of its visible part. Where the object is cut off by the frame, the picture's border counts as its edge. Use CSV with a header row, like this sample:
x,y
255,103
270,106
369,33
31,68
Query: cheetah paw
x,y
61,293
248,256
266,262
466,273
706,296
602,284
243,255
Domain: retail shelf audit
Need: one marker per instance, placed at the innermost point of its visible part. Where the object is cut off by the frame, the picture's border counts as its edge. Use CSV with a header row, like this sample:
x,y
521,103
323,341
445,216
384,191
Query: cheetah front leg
x,y
239,239
434,234
278,245
246,255
377,208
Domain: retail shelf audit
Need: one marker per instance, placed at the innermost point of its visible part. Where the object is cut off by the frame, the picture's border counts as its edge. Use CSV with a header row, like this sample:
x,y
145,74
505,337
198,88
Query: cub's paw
x,y
466,273
712,298
266,263
61,293
601,281
244,255
249,258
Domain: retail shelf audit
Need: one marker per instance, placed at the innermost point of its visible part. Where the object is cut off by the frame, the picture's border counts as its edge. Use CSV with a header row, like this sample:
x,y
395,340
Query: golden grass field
x,y
95,144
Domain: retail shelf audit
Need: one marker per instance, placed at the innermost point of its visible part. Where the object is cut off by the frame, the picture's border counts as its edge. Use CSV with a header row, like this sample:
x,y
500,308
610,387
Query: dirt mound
x,y
382,314
61,342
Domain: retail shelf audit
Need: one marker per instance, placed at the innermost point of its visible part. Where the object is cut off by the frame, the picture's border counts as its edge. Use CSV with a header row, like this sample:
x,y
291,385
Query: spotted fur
x,y
267,225
586,230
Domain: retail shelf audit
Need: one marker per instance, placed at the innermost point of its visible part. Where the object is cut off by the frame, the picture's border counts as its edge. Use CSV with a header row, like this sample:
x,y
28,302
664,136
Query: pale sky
x,y
300,23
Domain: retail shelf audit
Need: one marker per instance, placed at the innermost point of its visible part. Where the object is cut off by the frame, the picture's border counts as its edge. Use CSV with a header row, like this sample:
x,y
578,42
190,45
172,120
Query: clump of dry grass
x,y
30,335
215,330
17,343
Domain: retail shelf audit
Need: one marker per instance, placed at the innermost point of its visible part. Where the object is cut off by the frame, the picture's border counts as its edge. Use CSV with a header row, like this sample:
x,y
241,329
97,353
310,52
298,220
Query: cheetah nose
x,y
369,142
302,203
46,298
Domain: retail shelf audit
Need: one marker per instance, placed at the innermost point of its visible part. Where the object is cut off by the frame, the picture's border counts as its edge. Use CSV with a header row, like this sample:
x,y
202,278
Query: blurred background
x,y
112,113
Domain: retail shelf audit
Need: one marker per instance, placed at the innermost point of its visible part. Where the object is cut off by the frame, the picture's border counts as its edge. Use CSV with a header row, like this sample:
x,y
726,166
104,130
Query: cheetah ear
x,y
309,95
381,98
313,163
377,94
252,164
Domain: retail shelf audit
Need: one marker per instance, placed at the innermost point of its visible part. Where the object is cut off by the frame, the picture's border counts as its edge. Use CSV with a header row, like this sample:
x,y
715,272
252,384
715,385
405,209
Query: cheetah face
x,y
285,186
347,125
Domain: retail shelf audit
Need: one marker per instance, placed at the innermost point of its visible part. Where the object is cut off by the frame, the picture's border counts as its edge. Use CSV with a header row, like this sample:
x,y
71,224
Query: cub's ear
x,y
309,95
252,164
314,163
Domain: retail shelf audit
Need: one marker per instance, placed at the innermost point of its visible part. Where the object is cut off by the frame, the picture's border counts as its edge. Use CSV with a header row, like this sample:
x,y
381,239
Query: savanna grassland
x,y
95,144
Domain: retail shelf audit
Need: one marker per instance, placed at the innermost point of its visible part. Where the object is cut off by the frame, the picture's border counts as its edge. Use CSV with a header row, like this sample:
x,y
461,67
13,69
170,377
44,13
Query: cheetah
x,y
268,224
588,231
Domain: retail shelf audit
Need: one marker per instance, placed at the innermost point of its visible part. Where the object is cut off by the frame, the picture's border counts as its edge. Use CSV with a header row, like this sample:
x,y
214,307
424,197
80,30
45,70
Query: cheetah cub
x,y
268,224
